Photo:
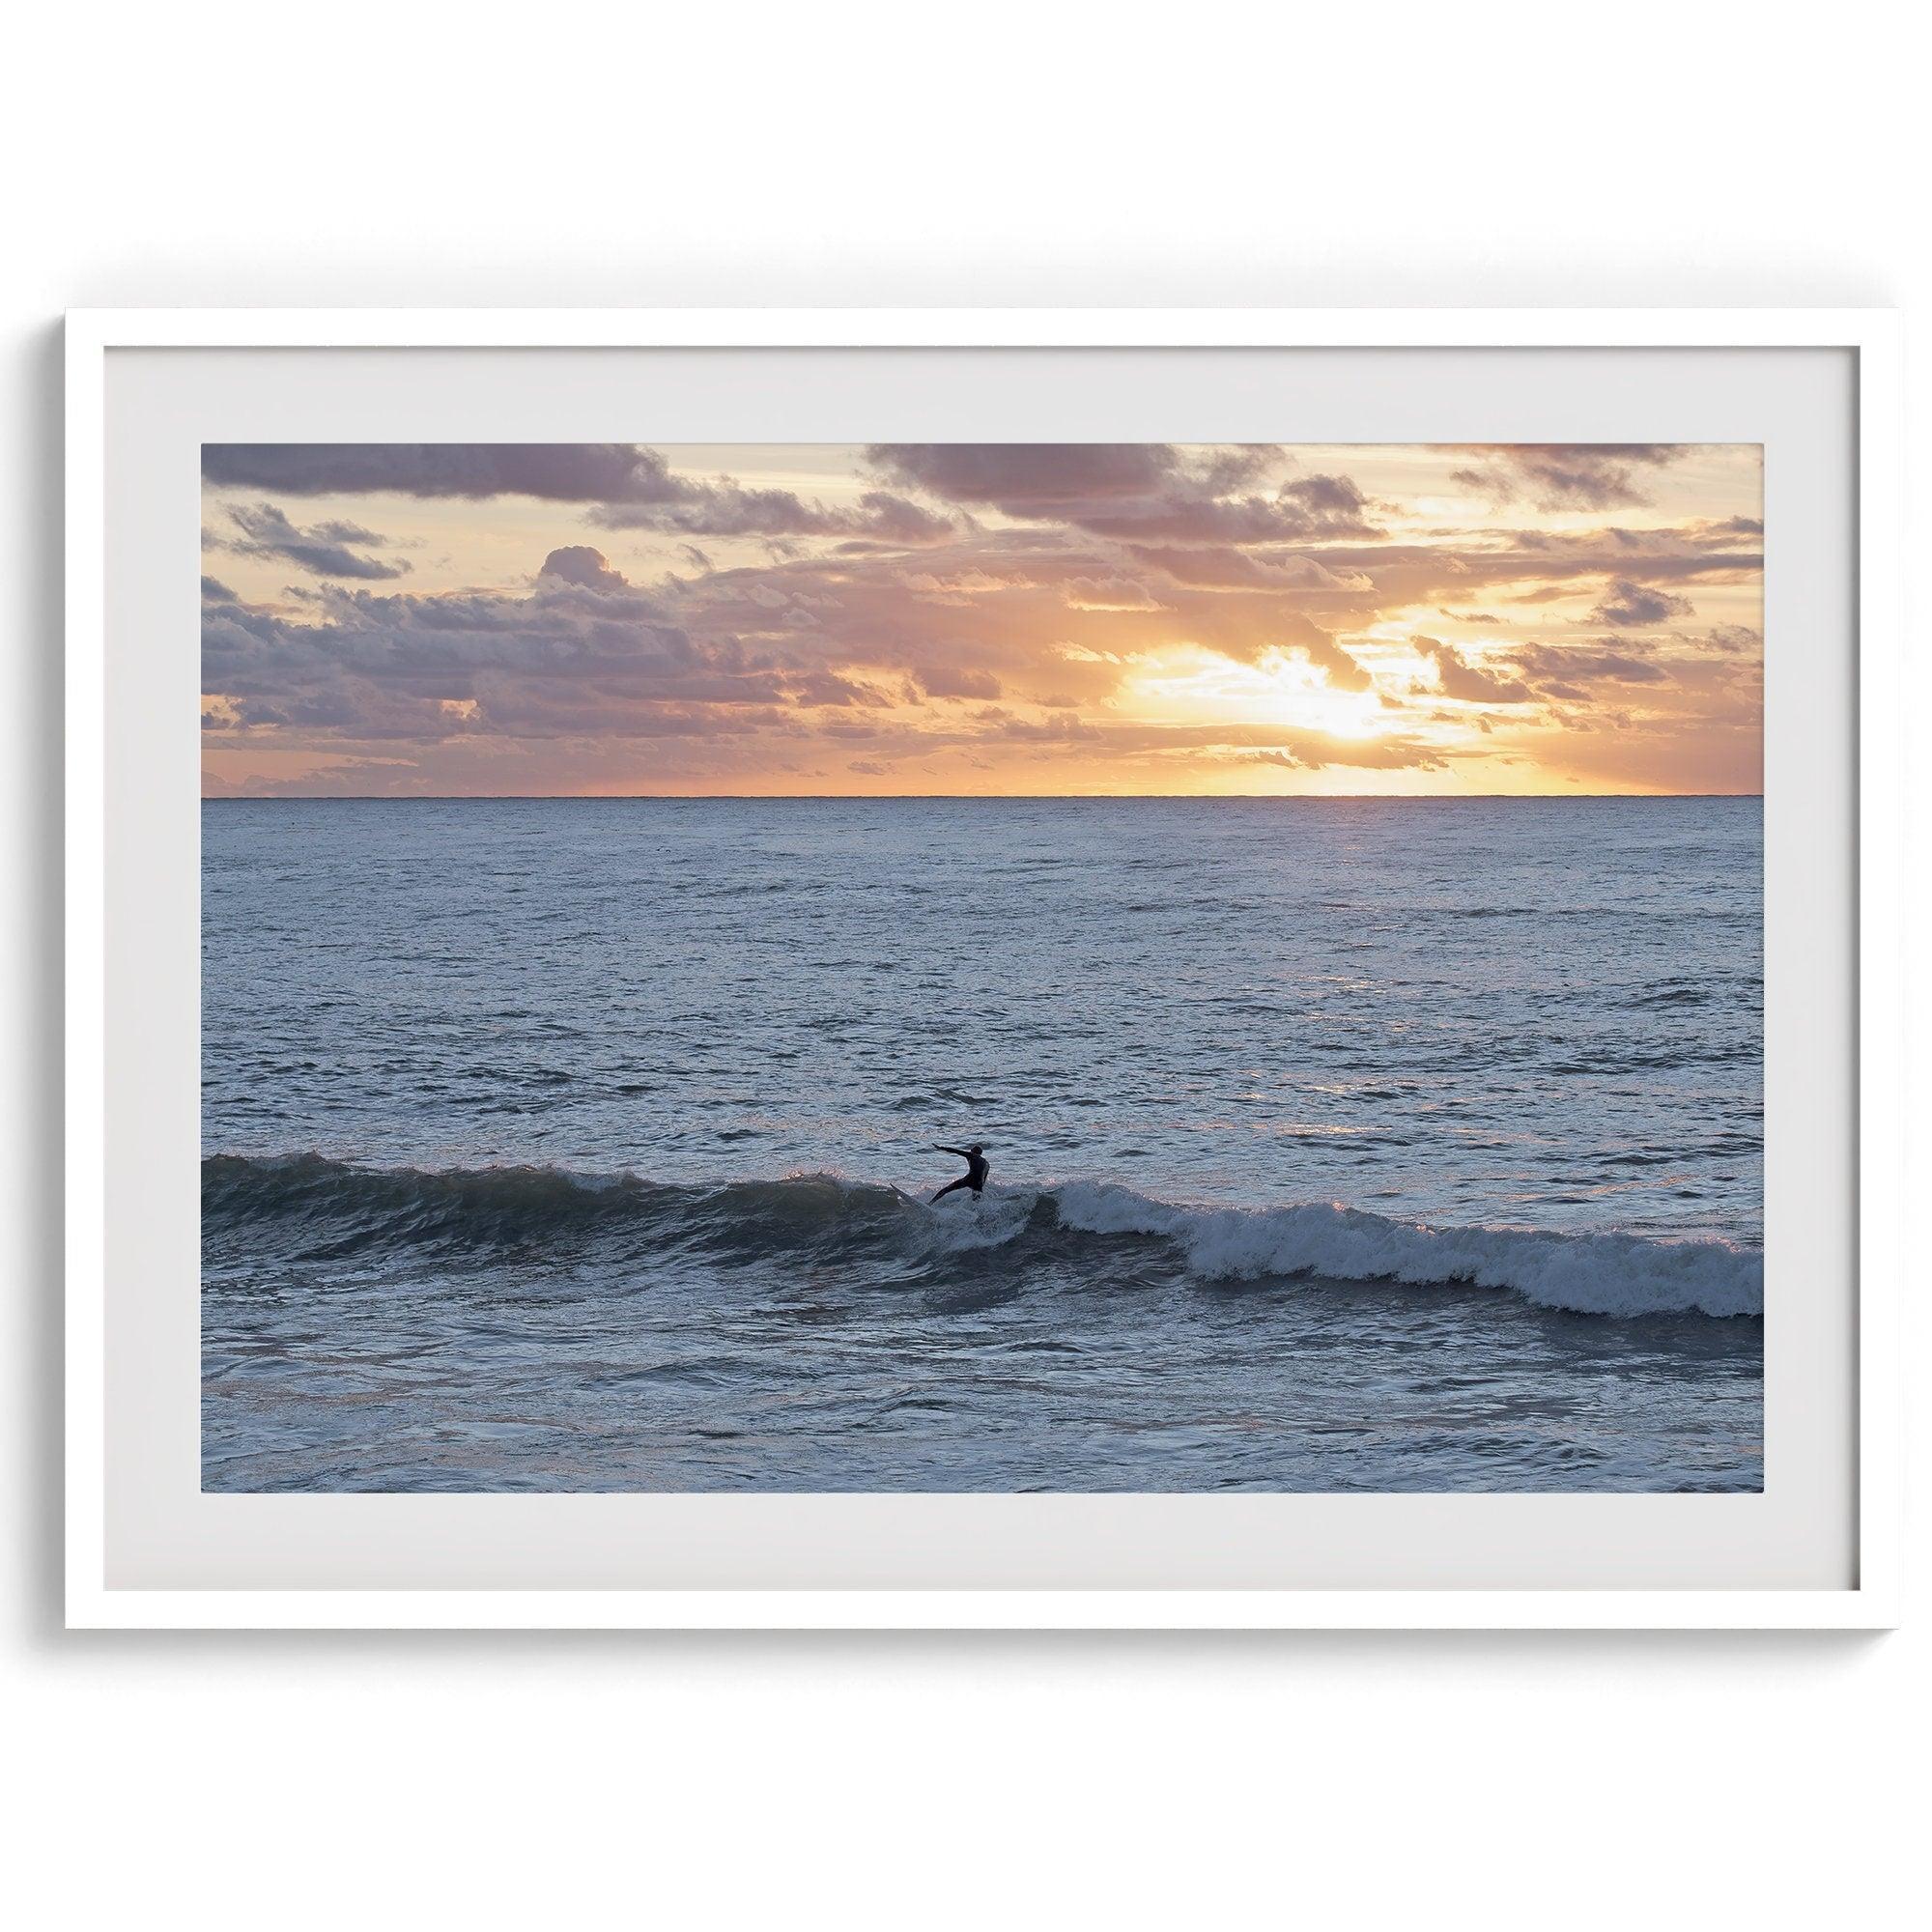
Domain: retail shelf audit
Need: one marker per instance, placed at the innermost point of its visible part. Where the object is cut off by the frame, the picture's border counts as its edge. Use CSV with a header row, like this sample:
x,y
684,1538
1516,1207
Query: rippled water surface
x,y
1336,1144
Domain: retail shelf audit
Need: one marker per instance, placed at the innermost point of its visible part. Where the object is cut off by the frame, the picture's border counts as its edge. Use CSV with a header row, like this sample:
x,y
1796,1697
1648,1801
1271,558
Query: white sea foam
x,y
1587,1274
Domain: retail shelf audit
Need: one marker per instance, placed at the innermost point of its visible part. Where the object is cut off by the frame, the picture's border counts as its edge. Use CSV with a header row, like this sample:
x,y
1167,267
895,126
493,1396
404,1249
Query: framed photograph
x,y
812,969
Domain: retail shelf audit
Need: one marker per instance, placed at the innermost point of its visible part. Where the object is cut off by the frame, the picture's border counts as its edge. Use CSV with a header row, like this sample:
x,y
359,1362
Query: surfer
x,y
975,1176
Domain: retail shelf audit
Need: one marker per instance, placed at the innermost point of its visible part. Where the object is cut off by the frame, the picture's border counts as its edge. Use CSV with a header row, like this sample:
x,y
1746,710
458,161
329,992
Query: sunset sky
x,y
612,618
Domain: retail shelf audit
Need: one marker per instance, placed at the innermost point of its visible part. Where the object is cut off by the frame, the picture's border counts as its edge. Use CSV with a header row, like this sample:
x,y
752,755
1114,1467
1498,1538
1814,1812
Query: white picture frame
x,y
1871,1598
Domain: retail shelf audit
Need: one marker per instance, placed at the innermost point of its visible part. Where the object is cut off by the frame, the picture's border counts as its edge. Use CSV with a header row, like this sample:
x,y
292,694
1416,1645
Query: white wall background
x,y
849,153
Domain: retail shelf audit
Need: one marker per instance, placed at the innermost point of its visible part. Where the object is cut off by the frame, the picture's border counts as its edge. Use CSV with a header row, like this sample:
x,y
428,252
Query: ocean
x,y
1336,1145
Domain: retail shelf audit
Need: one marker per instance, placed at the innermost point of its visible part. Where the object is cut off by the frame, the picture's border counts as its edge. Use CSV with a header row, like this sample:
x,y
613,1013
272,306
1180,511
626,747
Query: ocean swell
x,y
1585,1274
330,1210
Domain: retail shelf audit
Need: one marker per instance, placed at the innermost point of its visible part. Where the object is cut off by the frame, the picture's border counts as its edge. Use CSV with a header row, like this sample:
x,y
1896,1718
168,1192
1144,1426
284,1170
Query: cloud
x,y
1314,751
1220,566
1109,593
895,520
1032,609
579,563
569,472
1531,567
1628,606
323,549
1457,678
827,688
584,652
1146,491
623,485
1029,479
1565,475
1579,664
956,681
1733,640
725,509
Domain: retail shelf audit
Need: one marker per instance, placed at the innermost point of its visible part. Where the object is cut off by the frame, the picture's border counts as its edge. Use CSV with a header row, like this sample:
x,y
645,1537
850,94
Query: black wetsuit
x,y
974,1175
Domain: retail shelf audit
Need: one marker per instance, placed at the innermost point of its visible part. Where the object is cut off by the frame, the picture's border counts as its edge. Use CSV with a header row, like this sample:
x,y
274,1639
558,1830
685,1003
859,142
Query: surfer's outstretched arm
x,y
960,1151
964,1181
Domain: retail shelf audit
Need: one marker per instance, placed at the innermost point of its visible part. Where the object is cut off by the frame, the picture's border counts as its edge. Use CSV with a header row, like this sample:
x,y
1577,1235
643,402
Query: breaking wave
x,y
330,1210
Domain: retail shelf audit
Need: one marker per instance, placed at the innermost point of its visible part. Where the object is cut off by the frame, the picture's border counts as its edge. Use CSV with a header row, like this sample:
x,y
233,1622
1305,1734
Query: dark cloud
x,y
567,472
1220,566
1535,567
1733,640
624,486
1061,729
214,591
1565,475
1328,496
321,548
1628,606
585,653
896,520
1459,678
827,688
1146,491
1584,664
956,681
1029,479
582,653
725,509
579,563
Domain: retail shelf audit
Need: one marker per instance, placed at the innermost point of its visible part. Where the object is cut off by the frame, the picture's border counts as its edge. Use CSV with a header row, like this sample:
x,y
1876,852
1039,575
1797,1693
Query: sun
x,y
1186,685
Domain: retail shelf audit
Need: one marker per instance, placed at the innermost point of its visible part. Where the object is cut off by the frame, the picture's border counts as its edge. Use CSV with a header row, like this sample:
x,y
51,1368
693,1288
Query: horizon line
x,y
900,797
